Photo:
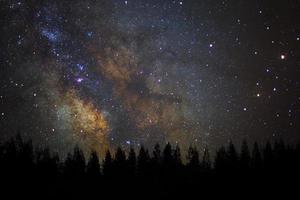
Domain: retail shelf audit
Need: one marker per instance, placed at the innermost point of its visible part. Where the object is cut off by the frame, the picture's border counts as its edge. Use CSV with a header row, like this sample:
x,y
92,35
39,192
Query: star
x,y
121,72
79,80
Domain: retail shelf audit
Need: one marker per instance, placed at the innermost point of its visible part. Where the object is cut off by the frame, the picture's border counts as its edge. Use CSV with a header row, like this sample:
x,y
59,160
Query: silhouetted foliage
x,y
221,160
256,161
143,162
119,163
107,164
232,158
19,161
93,166
131,162
206,164
245,157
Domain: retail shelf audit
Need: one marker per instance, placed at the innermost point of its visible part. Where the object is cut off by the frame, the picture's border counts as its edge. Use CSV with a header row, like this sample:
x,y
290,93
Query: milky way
x,y
103,74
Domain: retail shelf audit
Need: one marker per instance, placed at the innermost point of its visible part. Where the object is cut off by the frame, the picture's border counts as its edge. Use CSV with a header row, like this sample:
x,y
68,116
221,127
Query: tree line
x,y
20,161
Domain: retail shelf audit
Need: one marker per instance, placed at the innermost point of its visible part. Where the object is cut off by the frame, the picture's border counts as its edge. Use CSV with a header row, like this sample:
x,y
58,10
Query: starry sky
x,y
108,73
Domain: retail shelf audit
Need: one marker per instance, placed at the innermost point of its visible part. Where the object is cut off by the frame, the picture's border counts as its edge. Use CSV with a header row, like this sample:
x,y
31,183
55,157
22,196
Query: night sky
x,y
108,73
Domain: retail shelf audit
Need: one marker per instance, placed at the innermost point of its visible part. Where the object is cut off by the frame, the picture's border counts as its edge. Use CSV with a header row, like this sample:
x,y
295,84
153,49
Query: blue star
x,y
90,34
80,66
52,36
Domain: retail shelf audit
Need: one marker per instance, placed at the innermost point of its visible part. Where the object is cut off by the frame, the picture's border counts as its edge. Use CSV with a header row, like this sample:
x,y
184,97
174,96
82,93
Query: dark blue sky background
x,y
108,73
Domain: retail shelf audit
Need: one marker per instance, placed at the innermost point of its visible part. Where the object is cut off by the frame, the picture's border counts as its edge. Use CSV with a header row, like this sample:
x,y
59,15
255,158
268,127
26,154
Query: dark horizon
x,y
37,172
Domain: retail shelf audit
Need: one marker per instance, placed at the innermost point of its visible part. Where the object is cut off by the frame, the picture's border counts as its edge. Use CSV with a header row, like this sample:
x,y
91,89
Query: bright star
x,y
79,80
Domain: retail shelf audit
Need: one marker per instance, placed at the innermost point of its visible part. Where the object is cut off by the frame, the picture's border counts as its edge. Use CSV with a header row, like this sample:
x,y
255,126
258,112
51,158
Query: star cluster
x,y
105,73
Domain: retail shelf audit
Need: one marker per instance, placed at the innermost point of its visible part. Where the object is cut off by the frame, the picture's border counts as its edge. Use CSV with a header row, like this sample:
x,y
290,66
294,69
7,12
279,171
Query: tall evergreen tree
x,y
206,160
193,157
131,160
268,155
256,161
93,166
177,156
221,160
143,161
245,157
107,164
168,156
120,158
47,165
156,154
232,157
279,154
78,161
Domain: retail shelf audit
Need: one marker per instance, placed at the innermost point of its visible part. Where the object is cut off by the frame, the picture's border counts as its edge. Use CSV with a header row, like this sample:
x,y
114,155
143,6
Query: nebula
x,y
87,122
102,74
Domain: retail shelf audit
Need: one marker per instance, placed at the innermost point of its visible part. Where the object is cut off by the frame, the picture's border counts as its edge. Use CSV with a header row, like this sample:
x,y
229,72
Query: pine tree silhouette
x,y
46,165
78,162
93,166
156,161
74,167
177,156
245,157
193,162
232,157
221,164
119,163
143,162
206,164
131,162
24,168
107,165
268,156
157,154
193,157
256,161
167,155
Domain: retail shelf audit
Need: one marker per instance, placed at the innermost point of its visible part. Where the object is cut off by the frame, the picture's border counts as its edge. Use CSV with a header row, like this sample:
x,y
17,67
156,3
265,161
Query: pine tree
x,y
143,161
256,161
131,160
245,157
156,154
268,156
232,157
93,166
78,162
221,160
168,156
107,165
177,156
120,158
206,160
193,158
